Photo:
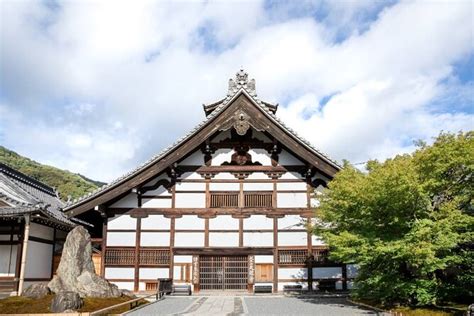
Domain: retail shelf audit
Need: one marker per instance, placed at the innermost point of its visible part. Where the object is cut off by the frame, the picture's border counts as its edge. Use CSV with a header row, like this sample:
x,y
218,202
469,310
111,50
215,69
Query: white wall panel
x,y
224,186
155,239
285,158
292,185
258,239
291,222
153,273
292,200
258,176
261,155
38,260
161,191
161,203
191,200
122,222
7,260
258,186
124,285
119,273
189,222
327,273
317,241
258,222
225,176
314,202
190,186
156,222
221,156
291,175
223,222
41,231
189,240
120,239
191,175
263,259
292,239
292,273
183,259
223,239
130,200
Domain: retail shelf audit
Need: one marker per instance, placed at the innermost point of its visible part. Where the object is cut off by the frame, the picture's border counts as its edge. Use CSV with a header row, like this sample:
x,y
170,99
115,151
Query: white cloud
x,y
85,81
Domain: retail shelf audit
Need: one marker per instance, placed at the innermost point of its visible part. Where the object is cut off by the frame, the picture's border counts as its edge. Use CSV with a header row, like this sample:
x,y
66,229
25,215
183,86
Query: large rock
x,y
76,273
37,290
66,301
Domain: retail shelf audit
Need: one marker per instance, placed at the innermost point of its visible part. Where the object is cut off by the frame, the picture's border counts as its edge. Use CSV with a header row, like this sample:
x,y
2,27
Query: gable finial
x,y
241,81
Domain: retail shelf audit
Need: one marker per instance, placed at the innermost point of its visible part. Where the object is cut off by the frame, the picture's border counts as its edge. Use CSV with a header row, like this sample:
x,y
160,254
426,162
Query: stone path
x,y
250,305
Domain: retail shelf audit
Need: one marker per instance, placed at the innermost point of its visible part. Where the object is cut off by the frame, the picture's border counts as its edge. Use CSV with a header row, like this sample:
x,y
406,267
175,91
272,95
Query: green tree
x,y
407,223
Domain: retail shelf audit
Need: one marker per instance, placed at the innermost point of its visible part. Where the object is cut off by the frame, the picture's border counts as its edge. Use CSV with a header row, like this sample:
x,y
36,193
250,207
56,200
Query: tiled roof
x,y
26,195
220,106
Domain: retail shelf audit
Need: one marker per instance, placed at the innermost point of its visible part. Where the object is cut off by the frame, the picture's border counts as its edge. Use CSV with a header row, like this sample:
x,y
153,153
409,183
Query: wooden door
x,y
263,272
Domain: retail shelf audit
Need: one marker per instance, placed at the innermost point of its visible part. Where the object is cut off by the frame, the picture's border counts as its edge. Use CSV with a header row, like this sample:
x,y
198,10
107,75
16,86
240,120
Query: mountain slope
x,y
66,182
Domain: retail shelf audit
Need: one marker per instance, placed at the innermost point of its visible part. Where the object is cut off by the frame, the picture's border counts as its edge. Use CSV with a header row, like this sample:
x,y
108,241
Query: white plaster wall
x,y
124,221
7,260
41,231
263,259
258,239
292,273
258,186
292,185
119,273
190,200
160,191
183,259
223,222
120,239
258,222
38,260
314,202
258,176
191,175
352,270
317,241
292,239
224,186
189,240
130,200
156,222
153,273
291,175
327,273
155,239
291,222
156,179
190,186
225,176
223,239
195,159
221,156
285,158
261,155
189,222
124,285
292,200
161,203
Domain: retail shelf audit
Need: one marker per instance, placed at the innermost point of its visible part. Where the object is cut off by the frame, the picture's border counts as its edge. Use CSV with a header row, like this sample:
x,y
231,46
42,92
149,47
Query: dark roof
x,y
27,195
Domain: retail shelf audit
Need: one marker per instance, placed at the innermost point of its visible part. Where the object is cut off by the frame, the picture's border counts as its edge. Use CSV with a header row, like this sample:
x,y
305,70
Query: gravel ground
x,y
301,306
167,306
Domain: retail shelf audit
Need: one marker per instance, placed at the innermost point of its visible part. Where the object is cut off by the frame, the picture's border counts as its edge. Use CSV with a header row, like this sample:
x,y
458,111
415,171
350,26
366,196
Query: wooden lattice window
x,y
258,199
293,256
320,255
120,256
224,199
154,256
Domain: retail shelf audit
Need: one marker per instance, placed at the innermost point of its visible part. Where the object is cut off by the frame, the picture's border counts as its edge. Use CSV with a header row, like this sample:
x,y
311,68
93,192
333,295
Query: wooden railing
x,y
299,256
231,199
126,256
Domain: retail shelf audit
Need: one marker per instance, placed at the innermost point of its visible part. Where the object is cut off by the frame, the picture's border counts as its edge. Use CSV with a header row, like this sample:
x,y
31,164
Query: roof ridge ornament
x,y
241,81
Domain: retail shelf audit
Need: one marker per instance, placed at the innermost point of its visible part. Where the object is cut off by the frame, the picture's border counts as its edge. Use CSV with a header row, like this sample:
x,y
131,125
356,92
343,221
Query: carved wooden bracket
x,y
274,174
241,175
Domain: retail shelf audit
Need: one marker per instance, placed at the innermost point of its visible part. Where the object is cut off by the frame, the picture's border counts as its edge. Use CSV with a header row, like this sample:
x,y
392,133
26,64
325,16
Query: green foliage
x,y
407,222
67,183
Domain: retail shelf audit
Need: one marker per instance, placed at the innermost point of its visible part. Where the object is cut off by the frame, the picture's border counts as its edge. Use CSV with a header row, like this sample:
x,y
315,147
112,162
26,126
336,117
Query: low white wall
x,y
153,273
39,259
119,273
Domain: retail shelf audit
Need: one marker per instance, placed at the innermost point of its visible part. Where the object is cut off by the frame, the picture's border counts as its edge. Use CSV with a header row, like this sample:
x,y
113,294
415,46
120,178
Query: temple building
x,y
32,228
226,207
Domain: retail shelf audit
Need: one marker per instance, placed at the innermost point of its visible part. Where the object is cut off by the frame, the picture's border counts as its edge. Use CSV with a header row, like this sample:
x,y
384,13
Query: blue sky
x,y
99,87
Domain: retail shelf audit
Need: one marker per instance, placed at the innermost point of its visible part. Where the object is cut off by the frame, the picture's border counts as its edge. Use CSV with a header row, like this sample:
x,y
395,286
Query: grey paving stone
x,y
167,306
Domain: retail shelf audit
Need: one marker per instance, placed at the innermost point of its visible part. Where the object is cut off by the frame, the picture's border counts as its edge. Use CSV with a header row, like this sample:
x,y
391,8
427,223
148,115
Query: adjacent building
x,y
227,207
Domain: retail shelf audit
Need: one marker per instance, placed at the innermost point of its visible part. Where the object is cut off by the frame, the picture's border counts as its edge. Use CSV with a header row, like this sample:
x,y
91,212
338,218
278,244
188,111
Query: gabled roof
x,y
27,195
164,159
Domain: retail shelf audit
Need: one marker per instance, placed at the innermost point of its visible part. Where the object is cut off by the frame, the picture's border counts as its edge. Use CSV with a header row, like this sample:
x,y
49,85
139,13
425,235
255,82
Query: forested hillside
x,y
66,182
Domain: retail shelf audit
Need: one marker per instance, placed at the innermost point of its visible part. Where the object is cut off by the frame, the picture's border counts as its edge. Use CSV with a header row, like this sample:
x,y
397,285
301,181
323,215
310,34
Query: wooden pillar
x,y
172,237
52,255
137,254
24,250
275,255
251,273
103,247
241,232
206,232
19,251
344,277
196,273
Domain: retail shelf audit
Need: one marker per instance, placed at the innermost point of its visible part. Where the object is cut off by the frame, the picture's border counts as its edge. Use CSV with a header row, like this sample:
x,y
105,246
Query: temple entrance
x,y
223,272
